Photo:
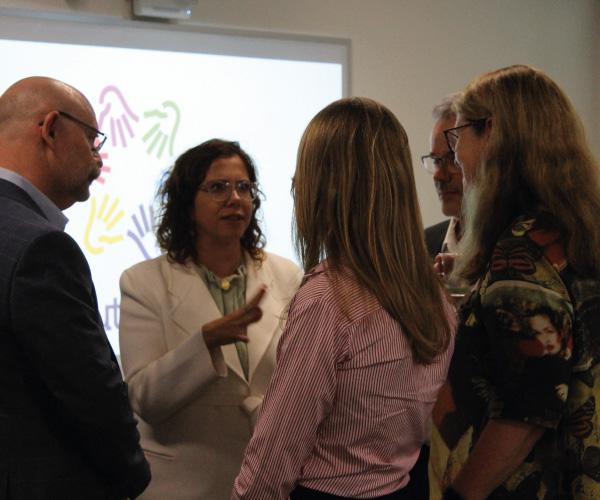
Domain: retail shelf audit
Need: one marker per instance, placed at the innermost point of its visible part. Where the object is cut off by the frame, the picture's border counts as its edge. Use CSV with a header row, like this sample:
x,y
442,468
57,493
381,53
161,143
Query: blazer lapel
x,y
261,333
189,295
193,306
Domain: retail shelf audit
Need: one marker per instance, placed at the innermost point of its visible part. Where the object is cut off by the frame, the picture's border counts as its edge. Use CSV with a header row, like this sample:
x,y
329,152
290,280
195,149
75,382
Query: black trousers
x,y
302,493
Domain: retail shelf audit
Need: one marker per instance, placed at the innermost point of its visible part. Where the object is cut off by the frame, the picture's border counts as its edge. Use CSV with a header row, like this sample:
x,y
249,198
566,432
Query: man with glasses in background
x,y
443,237
66,423
440,238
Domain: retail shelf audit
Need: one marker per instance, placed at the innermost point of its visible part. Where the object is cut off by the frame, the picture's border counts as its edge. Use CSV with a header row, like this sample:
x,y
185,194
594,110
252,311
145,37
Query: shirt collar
x,y
451,241
49,209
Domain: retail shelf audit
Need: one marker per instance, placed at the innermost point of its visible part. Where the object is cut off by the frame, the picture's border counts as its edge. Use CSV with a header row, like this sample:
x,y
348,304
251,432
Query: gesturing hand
x,y
444,262
231,328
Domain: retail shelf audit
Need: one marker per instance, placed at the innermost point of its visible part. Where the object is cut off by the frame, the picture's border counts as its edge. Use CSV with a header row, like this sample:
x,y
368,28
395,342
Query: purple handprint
x,y
120,124
144,226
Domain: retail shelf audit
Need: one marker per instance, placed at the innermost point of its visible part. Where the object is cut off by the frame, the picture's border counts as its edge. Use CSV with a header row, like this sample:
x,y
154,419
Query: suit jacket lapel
x,y
261,333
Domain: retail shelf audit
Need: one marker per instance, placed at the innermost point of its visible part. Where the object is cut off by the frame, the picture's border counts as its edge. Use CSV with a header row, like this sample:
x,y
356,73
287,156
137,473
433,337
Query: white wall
x,y
410,53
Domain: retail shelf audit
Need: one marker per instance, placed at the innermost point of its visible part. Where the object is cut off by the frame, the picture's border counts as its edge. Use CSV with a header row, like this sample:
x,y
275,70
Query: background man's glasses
x,y
221,190
433,163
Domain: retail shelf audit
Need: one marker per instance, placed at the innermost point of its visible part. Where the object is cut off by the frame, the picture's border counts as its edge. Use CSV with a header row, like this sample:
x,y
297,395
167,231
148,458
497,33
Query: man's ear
x,y
48,126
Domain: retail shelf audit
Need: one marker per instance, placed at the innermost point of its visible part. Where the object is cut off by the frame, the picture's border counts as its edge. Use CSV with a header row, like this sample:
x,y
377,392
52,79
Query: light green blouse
x,y
229,295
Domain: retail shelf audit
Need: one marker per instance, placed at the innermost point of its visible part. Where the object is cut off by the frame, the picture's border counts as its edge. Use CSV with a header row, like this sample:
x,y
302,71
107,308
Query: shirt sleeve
x,y
528,318
152,368
299,398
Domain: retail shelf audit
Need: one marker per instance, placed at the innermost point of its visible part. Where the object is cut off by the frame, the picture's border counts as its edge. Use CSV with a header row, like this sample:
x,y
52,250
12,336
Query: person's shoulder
x,y
19,217
439,228
149,273
282,276
21,229
326,284
147,266
316,288
528,225
440,225
435,235
339,292
278,262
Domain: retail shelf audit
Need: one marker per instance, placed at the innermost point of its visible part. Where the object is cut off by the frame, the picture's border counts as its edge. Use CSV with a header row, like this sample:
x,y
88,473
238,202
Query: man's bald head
x,y
43,140
35,96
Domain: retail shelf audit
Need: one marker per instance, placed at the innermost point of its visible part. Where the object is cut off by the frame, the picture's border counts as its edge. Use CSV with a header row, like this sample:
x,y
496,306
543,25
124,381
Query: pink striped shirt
x,y
346,410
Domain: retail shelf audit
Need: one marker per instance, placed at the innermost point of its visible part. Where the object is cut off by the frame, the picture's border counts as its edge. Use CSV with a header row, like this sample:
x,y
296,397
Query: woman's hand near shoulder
x,y
233,327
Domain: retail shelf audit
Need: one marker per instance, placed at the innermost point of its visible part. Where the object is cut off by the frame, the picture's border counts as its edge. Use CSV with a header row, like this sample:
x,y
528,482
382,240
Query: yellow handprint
x,y
106,218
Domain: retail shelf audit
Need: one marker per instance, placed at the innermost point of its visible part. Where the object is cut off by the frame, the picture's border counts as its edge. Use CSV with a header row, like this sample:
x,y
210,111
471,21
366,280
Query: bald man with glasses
x,y
66,423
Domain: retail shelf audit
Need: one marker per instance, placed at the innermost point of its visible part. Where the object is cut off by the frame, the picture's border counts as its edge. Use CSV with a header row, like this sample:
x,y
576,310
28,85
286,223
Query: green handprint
x,y
156,136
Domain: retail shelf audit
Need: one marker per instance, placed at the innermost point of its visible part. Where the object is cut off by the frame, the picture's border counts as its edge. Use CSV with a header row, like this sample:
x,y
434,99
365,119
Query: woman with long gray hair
x,y
517,418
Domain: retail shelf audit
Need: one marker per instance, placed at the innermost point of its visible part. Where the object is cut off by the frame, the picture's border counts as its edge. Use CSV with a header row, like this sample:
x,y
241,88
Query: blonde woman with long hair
x,y
370,332
517,418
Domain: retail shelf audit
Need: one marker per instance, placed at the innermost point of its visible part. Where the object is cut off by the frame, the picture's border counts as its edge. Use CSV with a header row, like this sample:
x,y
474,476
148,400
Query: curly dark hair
x,y
175,231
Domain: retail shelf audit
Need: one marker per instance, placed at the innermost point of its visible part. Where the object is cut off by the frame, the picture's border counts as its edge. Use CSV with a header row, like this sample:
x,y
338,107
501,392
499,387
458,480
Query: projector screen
x,y
158,90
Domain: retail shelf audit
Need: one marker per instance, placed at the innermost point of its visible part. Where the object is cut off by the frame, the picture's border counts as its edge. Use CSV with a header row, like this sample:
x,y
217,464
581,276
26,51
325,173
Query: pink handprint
x,y
104,169
120,124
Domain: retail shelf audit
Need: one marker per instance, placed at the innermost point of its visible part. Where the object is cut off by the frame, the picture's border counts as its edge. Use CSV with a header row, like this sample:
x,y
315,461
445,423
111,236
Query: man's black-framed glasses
x,y
221,190
100,136
452,136
433,163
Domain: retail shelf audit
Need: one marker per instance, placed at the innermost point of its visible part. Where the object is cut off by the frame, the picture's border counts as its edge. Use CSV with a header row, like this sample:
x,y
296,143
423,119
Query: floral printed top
x,y
527,349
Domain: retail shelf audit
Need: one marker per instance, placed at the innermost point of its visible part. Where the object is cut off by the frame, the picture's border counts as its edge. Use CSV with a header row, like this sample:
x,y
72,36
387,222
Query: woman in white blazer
x,y
197,349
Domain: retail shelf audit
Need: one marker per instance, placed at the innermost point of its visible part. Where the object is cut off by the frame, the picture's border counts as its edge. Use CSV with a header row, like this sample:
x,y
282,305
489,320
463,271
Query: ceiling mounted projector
x,y
169,9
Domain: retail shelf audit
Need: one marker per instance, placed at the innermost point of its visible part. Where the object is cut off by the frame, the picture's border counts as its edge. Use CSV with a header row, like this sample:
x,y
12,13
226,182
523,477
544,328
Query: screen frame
x,y
25,25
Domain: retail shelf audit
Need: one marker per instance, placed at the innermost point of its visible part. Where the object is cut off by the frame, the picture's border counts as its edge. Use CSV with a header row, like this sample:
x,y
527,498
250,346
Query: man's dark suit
x,y
66,425
434,237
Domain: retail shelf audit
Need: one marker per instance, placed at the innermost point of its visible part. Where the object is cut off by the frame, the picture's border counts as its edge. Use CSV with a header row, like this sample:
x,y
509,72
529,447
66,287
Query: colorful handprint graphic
x,y
108,219
144,226
120,115
104,169
169,119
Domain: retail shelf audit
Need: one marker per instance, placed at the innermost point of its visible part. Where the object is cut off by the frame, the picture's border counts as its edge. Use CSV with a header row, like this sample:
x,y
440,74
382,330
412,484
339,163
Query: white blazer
x,y
196,413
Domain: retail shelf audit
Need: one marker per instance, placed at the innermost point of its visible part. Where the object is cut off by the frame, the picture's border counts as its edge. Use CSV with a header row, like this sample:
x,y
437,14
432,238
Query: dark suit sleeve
x,y
56,322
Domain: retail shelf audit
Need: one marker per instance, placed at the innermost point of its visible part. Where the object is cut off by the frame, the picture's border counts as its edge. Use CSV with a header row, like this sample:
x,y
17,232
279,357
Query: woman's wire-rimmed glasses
x,y
452,137
221,190
433,163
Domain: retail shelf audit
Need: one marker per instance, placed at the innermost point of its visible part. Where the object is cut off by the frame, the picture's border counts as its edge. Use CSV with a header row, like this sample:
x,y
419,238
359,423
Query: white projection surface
x,y
155,99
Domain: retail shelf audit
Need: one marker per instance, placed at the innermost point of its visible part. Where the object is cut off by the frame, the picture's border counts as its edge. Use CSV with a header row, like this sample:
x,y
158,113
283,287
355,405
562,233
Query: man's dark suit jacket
x,y
67,429
434,237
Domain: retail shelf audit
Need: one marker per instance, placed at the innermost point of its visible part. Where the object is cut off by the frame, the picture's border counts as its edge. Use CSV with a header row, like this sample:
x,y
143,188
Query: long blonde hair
x,y
536,158
356,204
